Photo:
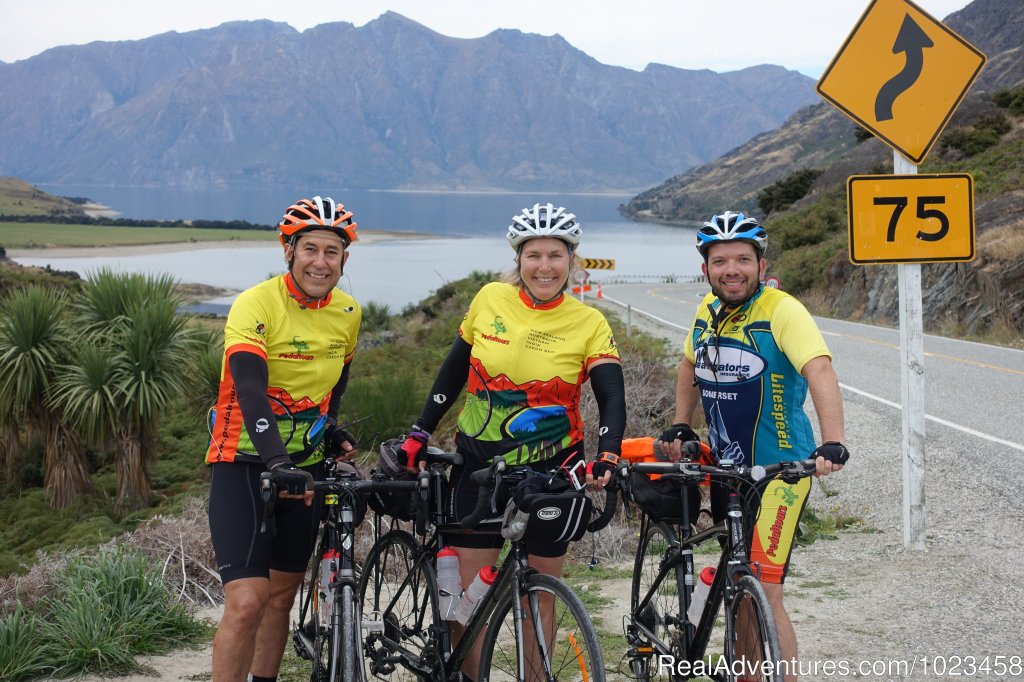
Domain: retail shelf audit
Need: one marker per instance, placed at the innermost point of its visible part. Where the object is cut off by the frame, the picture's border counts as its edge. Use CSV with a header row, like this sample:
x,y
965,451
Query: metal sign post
x,y
901,74
911,389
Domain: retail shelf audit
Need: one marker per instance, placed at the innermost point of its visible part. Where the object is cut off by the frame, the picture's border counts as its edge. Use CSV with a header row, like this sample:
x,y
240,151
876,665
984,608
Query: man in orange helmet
x,y
288,343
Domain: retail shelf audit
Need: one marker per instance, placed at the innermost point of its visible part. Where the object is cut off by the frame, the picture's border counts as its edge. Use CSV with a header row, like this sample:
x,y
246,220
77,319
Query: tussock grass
x,y
98,612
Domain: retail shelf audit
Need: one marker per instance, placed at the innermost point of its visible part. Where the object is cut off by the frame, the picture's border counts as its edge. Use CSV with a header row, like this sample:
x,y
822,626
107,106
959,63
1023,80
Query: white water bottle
x,y
477,589
700,594
328,568
449,584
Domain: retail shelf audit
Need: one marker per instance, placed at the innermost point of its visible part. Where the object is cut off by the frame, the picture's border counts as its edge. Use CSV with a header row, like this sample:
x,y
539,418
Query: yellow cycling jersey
x,y
306,349
747,365
528,365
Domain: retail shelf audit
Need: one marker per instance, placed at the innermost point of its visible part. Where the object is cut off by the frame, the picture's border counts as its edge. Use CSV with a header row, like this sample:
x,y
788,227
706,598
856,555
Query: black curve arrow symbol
x,y
912,40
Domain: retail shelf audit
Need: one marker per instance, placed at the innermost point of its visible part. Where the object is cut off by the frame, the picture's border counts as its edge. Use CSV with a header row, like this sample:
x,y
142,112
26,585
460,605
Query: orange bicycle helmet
x,y
317,214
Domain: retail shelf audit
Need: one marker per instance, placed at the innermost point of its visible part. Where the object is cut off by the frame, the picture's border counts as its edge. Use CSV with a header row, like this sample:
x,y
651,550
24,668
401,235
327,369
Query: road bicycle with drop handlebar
x,y
327,632
664,643
534,627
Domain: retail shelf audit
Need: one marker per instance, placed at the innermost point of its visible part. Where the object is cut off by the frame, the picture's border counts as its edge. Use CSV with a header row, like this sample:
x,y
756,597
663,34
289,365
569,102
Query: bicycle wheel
x,y
399,601
660,621
313,638
555,623
752,639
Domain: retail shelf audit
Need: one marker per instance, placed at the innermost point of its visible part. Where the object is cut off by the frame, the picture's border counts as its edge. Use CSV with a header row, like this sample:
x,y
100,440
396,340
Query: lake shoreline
x,y
118,250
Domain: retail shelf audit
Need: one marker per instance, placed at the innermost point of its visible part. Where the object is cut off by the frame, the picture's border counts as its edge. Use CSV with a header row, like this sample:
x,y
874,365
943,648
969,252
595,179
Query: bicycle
x,y
664,644
327,632
523,639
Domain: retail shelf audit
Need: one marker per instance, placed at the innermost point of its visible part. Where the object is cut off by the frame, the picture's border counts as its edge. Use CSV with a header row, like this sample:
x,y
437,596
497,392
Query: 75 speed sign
x,y
911,218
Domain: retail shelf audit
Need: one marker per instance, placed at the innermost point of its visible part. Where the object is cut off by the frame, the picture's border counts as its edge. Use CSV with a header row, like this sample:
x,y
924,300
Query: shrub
x,y
787,191
1012,99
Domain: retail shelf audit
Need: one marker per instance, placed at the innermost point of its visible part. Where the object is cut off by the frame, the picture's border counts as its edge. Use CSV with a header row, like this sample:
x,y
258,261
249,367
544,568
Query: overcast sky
x,y
722,35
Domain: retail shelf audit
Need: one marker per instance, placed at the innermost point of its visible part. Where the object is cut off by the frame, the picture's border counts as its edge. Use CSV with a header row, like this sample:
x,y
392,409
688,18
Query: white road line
x,y
937,420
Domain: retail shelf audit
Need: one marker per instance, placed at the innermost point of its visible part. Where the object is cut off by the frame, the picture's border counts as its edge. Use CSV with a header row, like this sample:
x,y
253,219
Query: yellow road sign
x,y
911,218
901,74
598,263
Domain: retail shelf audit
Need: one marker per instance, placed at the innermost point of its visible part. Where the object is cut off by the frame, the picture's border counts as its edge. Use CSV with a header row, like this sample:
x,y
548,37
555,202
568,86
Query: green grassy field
x,y
40,235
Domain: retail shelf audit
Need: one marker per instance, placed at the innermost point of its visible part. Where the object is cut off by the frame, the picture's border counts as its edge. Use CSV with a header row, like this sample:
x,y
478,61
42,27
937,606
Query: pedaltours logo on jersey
x,y
727,364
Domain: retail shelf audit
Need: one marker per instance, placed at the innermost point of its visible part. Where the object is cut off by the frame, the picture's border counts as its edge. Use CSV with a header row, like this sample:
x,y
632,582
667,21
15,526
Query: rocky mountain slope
x,y
390,104
810,248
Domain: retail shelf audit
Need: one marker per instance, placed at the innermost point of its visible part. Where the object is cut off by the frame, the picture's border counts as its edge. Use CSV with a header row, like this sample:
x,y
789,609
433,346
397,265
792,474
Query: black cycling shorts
x,y
236,512
463,496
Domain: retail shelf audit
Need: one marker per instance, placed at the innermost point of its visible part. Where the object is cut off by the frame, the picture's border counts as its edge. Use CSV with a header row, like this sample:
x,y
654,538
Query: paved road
x,y
975,388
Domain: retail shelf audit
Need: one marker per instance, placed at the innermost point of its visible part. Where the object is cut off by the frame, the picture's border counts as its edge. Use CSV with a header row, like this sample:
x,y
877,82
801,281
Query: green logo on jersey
x,y
299,345
787,495
499,325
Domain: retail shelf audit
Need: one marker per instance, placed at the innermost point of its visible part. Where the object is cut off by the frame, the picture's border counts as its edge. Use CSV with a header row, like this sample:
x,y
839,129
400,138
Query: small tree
x,y
131,368
33,343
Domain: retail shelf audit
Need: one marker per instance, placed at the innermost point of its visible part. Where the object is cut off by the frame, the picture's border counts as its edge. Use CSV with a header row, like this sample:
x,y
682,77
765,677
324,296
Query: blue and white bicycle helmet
x,y
731,226
544,220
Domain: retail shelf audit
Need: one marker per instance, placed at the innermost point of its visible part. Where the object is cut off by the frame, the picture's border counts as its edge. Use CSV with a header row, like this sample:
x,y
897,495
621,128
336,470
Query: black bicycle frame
x,y
732,564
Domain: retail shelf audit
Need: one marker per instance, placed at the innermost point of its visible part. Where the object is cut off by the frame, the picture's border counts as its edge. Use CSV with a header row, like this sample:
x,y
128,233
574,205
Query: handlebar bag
x,y
661,500
557,512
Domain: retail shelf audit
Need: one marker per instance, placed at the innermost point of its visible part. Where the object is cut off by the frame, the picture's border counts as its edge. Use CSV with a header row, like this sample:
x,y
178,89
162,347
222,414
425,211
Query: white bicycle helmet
x,y
731,226
544,220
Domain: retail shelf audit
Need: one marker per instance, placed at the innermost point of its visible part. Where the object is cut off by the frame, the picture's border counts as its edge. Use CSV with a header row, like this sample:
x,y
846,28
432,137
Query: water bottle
x,y
700,594
449,584
328,567
478,588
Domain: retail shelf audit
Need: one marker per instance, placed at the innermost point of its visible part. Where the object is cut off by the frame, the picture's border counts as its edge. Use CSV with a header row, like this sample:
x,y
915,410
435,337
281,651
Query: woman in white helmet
x,y
526,349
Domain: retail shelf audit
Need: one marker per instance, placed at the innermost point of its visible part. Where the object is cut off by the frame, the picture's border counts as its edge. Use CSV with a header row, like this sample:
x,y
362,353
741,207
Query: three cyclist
x,y
751,356
525,349
288,345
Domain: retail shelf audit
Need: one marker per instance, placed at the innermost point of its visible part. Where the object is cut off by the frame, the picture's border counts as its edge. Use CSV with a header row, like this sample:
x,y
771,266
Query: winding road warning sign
x,y
901,74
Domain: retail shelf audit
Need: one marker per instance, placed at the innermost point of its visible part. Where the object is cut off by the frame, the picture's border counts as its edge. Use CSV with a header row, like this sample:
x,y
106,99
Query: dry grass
x,y
1003,244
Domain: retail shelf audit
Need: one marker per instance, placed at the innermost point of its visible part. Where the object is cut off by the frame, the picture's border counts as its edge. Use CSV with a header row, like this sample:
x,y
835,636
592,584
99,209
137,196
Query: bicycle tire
x,y
317,632
399,608
574,650
663,615
752,643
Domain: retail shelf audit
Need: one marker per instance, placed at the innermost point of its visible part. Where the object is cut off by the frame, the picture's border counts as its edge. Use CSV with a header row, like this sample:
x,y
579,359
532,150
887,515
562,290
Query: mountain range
x,y
391,104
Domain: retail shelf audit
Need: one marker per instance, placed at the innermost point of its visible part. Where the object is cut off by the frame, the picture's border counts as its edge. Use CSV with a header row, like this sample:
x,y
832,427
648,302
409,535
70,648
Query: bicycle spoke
x,y
558,641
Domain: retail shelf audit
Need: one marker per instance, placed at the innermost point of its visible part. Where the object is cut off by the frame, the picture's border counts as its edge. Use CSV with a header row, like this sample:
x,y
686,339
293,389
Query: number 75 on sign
x,y
924,218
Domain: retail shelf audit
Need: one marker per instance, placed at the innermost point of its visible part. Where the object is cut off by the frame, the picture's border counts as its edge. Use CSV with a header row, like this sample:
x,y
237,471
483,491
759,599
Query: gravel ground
x,y
864,604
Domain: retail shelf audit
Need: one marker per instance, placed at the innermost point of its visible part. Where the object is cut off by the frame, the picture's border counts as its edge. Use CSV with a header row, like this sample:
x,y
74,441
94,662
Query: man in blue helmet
x,y
751,357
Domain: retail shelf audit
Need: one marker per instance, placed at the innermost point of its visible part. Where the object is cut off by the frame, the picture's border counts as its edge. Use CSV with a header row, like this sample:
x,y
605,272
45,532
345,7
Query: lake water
x,y
467,234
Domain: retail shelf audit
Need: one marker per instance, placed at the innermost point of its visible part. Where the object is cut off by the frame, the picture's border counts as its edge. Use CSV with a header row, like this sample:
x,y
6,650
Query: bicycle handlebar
x,y
489,483
693,471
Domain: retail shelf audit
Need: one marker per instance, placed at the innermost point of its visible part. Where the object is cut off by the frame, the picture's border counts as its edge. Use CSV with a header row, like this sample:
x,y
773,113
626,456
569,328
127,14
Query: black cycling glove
x,y
679,431
833,452
334,436
291,479
605,462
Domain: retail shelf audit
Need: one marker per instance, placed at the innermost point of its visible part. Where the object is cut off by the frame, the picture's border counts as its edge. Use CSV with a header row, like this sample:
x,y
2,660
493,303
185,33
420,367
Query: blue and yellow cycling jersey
x,y
747,366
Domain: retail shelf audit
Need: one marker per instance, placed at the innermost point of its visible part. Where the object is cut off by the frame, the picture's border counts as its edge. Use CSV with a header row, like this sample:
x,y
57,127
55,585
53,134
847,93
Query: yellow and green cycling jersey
x,y
747,366
528,365
305,349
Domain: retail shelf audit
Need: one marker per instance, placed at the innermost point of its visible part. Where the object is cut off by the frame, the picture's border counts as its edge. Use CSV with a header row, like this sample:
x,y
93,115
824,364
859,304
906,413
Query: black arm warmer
x,y
449,382
610,393
251,376
337,392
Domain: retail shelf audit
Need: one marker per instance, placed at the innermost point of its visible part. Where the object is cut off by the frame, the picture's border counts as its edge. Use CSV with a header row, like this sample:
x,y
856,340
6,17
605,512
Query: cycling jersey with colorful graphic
x,y
305,349
748,372
527,368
